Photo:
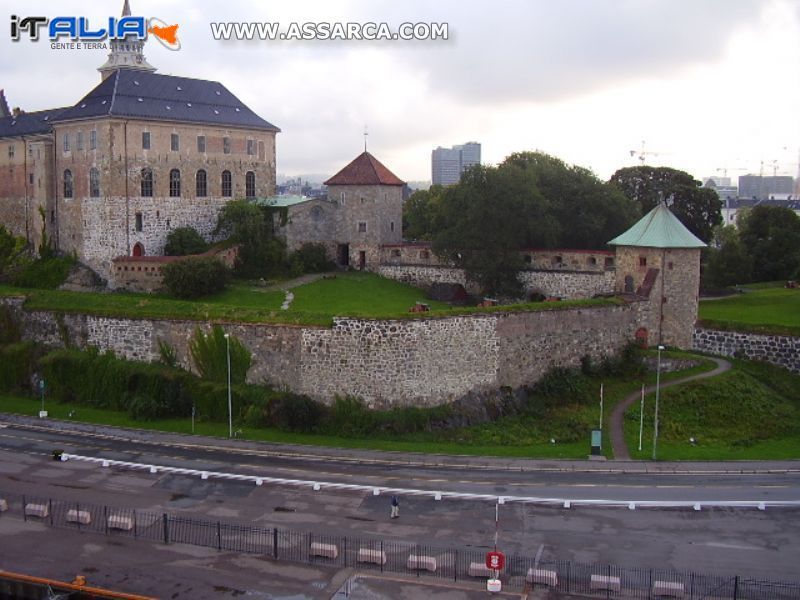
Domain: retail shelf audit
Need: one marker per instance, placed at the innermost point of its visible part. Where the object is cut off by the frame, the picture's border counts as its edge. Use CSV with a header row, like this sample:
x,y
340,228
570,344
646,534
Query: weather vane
x,y
365,138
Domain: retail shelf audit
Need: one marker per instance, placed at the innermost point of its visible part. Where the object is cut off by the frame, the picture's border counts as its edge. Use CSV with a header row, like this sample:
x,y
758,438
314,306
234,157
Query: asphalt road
x,y
745,541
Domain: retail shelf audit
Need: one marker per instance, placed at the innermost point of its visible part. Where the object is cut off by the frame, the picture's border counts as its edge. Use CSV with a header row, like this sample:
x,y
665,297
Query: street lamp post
x,y
230,409
658,388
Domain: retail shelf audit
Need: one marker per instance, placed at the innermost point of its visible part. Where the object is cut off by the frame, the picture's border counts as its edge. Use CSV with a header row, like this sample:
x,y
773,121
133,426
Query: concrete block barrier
x,y
673,589
324,550
3,505
421,563
542,576
605,582
478,569
367,555
36,510
83,517
120,522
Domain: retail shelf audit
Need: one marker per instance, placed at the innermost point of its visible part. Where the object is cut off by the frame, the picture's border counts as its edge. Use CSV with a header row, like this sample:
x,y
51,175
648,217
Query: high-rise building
x,y
765,186
447,164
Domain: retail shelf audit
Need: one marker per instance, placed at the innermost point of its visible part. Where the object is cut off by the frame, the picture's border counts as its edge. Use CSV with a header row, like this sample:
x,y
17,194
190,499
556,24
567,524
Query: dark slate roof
x,y
792,202
144,95
365,170
29,123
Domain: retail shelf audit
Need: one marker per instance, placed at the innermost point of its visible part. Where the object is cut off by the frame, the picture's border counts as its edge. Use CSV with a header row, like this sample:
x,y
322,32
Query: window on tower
x,y
67,183
174,183
93,139
226,145
145,140
201,184
227,184
94,183
201,143
66,142
147,182
250,184
175,142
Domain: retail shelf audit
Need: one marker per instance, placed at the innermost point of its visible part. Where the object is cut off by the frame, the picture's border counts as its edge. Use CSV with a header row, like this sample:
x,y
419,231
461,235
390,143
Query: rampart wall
x,y
781,350
420,361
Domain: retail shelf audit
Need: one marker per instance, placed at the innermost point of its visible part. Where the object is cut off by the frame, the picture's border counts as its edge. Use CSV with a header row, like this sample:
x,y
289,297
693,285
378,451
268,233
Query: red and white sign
x,y
495,560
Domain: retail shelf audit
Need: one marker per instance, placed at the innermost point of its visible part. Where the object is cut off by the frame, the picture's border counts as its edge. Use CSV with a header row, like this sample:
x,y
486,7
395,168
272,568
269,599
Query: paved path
x,y
296,282
616,431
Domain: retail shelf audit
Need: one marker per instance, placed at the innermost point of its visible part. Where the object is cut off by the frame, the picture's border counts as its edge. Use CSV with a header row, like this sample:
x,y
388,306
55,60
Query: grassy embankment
x,y
347,294
762,308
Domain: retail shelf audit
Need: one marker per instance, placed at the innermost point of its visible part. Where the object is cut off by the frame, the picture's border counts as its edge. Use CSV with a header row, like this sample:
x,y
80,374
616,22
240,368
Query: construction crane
x,y
725,170
643,154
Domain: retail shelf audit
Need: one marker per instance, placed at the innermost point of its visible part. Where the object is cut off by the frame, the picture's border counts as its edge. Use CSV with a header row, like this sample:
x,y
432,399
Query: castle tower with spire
x,y
126,53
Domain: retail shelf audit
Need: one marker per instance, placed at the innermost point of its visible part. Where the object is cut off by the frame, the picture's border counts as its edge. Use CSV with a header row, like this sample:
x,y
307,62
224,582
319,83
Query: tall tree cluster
x,y
530,200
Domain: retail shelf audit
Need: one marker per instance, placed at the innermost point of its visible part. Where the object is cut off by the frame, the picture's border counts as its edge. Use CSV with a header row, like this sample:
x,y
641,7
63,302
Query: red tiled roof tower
x,y
365,170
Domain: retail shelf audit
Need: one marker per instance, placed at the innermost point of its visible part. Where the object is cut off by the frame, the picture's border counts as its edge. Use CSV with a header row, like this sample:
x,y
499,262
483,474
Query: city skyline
x,y
711,89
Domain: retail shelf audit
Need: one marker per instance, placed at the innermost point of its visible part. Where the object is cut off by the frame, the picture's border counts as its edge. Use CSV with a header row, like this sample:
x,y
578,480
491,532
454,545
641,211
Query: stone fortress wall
x,y
781,350
389,362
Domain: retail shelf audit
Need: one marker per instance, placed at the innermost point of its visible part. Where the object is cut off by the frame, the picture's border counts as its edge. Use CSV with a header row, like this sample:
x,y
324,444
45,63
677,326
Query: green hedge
x,y
16,366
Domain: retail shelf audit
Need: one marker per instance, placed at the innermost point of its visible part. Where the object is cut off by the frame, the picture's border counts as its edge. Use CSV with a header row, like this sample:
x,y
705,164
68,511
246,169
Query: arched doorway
x,y
138,249
641,337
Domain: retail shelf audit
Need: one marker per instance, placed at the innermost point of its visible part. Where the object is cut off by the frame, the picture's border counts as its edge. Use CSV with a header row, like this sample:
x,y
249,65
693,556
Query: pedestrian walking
x,y
395,507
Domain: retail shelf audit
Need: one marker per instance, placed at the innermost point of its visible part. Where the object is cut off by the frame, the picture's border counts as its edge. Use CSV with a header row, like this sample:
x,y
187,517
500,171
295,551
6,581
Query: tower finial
x,y
126,9
365,138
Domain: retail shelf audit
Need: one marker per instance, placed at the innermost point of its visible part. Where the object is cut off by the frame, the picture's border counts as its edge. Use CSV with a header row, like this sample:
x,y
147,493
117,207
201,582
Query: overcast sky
x,y
706,84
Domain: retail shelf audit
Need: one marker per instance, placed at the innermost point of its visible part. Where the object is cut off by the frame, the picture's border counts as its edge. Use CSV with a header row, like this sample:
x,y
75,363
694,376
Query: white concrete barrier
x,y
421,563
478,569
367,555
3,505
120,522
36,510
542,576
83,517
324,550
605,582
673,589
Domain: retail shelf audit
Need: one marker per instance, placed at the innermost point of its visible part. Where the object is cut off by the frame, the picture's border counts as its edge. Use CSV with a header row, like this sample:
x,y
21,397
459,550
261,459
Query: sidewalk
x,y
400,458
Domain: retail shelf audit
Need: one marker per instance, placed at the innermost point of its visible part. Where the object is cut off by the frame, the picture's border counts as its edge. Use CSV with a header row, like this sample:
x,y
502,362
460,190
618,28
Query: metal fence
x,y
391,556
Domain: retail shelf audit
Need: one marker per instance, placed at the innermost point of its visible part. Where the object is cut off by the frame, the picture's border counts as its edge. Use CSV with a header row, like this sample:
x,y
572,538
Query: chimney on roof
x,y
4,112
17,111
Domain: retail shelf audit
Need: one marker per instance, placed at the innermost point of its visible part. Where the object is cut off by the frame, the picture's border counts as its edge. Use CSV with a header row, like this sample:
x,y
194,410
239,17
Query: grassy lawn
x,y
764,308
751,412
519,436
347,294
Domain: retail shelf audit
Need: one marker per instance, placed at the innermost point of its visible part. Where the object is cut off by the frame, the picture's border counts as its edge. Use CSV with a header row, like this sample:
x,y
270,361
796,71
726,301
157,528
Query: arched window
x,y
147,182
174,183
201,184
628,284
94,183
138,249
250,184
227,185
67,183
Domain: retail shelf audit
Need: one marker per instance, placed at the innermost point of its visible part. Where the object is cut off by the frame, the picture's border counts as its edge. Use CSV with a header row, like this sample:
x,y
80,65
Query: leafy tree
x,y
420,213
587,211
698,208
531,200
195,276
209,353
311,258
260,253
184,241
771,235
728,262
13,253
485,220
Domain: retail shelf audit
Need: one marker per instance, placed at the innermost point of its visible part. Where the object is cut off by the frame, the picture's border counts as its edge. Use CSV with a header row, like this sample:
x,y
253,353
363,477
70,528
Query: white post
x,y
230,408
601,407
658,386
641,420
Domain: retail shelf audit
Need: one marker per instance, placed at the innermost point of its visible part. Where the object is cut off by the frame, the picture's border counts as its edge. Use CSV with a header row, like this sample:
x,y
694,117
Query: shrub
x,y
167,355
310,258
210,356
105,381
17,363
195,277
13,253
44,273
9,326
183,241
296,413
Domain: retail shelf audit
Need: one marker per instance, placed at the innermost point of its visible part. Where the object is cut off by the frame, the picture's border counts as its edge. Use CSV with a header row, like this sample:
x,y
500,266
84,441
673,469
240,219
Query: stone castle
x,y
142,154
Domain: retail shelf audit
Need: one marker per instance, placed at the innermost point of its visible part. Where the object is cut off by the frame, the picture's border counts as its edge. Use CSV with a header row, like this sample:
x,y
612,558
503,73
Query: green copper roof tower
x,y
658,229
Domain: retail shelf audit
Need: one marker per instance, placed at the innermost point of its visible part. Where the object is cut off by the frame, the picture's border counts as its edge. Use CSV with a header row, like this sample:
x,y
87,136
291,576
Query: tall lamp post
x,y
230,409
658,388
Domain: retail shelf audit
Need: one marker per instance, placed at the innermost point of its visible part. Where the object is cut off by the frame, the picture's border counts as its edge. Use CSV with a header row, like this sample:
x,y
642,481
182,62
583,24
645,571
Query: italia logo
x,y
79,29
